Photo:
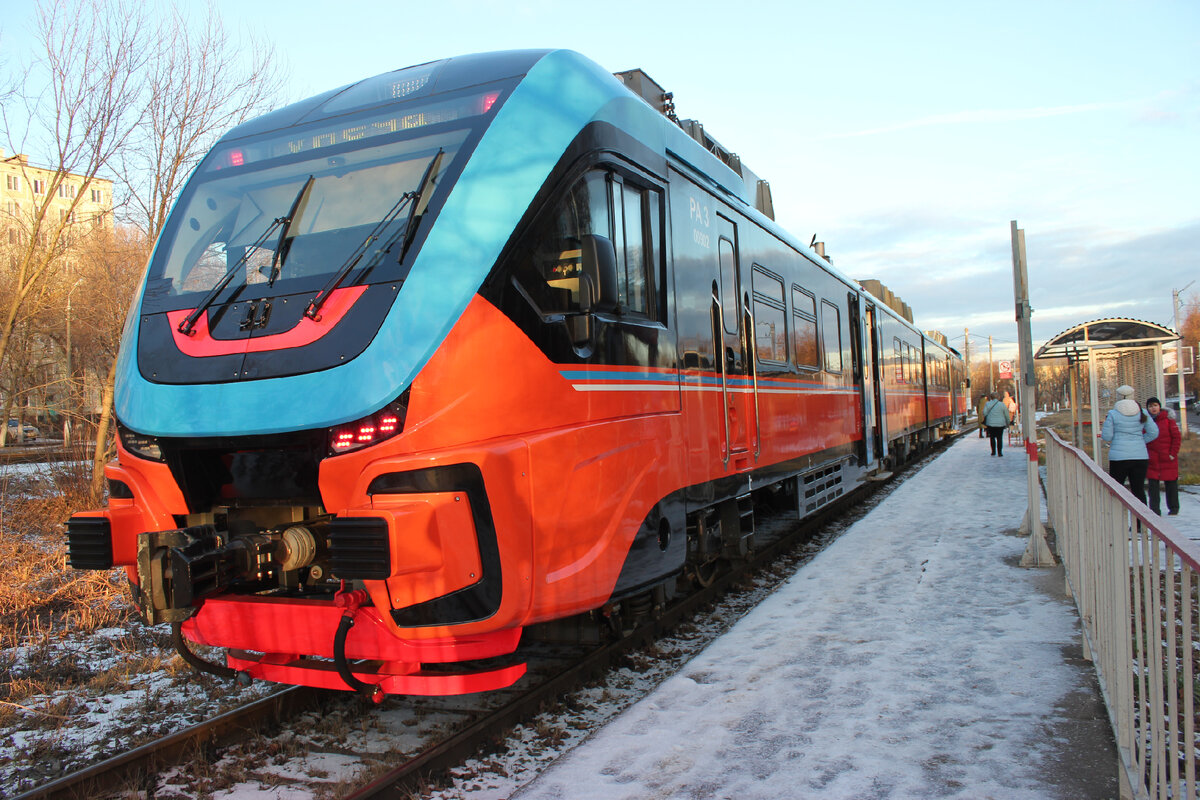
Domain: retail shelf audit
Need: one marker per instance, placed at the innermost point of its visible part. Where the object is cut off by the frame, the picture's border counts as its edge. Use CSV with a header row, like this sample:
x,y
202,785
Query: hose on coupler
x,y
220,670
350,602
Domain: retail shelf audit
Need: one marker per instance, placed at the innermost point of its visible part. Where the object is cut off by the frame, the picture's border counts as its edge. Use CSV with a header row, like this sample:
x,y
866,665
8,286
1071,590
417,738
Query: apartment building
x,y
25,188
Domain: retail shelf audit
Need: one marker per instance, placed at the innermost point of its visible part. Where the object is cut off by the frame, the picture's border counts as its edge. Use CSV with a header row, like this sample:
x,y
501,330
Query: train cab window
x,y
804,329
770,317
548,263
831,336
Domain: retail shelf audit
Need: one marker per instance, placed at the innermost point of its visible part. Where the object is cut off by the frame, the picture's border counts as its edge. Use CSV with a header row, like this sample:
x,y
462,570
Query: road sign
x,y
1006,371
1189,361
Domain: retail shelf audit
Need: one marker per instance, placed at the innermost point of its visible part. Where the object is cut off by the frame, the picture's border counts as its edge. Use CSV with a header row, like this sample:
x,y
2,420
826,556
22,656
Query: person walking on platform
x,y
1010,403
995,417
983,401
1128,429
1164,459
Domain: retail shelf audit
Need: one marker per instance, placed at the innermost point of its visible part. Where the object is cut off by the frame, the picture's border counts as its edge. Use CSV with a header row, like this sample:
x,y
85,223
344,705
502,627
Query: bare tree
x,y
199,82
109,265
80,103
113,92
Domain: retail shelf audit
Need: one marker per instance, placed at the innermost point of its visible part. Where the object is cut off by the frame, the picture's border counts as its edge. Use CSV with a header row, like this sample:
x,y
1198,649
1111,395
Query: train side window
x,y
831,336
729,303
804,329
899,368
770,316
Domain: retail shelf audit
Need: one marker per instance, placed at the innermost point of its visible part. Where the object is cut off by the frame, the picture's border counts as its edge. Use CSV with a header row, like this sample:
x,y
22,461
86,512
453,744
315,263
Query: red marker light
x,y
237,158
489,100
381,425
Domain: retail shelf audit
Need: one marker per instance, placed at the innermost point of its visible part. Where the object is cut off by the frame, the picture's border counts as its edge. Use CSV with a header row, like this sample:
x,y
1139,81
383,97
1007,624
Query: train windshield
x,y
243,199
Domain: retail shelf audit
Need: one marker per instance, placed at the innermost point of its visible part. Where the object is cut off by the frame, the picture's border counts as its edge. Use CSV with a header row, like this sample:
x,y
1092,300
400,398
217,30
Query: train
x,y
429,362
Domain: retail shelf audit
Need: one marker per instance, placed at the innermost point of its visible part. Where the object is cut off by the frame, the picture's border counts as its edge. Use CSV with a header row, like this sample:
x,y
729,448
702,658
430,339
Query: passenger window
x,y
729,303
770,317
804,329
899,358
831,336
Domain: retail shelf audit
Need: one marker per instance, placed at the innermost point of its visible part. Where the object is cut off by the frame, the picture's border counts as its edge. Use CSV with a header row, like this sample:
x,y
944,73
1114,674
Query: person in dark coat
x,y
1164,459
995,417
983,401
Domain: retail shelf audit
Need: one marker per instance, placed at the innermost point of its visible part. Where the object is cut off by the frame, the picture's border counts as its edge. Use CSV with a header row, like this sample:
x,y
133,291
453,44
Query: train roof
x,y
432,77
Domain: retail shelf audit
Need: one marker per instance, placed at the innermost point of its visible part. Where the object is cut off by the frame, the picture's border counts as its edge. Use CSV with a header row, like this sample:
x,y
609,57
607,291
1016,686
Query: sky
x,y
906,136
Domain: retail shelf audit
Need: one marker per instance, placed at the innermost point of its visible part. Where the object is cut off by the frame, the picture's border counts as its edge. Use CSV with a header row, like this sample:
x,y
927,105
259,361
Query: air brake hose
x,y
196,661
350,602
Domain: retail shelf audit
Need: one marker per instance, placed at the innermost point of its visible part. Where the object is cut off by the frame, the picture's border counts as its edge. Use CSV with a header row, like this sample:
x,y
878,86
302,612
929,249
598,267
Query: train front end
x,y
292,481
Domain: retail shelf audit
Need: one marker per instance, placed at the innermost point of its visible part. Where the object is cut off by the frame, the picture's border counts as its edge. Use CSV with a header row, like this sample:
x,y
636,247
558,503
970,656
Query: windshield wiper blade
x,y
418,198
424,195
285,244
189,322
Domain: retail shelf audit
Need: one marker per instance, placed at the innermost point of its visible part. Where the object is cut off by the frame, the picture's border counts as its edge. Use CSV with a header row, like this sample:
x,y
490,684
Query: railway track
x,y
555,670
400,782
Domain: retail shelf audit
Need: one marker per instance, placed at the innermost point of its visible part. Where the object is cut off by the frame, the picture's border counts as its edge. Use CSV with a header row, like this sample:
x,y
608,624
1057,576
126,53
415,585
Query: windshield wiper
x,y
416,199
189,322
285,244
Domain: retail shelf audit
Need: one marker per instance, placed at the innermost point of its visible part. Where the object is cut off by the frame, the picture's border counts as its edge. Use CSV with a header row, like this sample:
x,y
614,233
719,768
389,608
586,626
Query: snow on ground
x,y
912,659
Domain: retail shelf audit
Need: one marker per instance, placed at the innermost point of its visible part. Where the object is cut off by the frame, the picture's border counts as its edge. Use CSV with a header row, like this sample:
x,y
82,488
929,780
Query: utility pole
x,y
967,358
1037,551
1179,360
991,368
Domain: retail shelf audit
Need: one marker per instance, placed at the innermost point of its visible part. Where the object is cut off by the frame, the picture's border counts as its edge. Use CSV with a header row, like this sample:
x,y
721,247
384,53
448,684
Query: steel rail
x,y
143,760
135,765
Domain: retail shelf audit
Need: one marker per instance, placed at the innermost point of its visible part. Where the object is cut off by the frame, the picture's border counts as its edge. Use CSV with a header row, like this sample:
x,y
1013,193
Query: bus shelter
x,y
1115,352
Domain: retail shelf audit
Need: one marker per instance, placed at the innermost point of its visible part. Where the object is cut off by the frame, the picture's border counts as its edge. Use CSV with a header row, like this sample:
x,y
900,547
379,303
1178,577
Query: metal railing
x,y
1134,580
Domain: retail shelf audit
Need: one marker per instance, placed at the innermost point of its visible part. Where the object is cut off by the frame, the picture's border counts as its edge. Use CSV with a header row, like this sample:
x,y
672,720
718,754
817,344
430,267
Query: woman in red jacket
x,y
1164,459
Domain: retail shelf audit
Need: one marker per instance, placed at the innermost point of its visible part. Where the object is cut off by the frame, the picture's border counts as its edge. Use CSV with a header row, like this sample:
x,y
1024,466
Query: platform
x,y
913,658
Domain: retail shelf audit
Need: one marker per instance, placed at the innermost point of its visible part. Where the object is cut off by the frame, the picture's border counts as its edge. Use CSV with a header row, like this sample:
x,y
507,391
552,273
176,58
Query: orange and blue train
x,y
427,361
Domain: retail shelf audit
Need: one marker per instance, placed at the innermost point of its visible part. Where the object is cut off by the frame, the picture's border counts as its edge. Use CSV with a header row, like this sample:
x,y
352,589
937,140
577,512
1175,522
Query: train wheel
x,y
705,573
705,548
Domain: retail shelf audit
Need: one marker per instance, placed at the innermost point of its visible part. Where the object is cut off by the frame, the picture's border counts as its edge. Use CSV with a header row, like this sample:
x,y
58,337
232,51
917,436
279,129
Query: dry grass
x,y
41,598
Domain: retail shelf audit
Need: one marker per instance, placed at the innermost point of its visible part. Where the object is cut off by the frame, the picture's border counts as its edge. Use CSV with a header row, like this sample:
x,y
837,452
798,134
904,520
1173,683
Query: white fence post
x,y
1133,577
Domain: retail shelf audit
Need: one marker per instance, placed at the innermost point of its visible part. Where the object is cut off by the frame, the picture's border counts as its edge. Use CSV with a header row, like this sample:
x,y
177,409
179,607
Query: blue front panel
x,y
562,93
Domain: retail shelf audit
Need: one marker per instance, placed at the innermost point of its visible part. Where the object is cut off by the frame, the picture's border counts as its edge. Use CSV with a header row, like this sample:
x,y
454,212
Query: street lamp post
x,y
70,408
1183,422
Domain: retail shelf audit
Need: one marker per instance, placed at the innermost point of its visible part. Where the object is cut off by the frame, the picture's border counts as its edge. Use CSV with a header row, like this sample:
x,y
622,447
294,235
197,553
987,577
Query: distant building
x,y
24,189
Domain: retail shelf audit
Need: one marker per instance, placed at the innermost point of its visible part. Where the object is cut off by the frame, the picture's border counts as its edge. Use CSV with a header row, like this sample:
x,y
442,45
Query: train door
x,y
875,357
863,345
736,358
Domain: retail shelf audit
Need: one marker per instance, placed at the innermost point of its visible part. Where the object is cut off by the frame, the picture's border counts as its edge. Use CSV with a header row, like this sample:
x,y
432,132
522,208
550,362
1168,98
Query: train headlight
x,y
140,445
378,427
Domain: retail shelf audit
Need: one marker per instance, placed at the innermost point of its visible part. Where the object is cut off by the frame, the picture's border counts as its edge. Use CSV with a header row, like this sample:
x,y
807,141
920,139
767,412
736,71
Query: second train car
x,y
471,346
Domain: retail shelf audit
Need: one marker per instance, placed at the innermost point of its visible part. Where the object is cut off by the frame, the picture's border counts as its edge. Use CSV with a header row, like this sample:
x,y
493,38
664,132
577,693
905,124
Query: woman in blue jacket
x,y
1128,429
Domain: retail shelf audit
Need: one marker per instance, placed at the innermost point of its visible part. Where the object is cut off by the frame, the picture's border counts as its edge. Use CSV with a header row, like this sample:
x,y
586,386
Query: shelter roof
x,y
1107,334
